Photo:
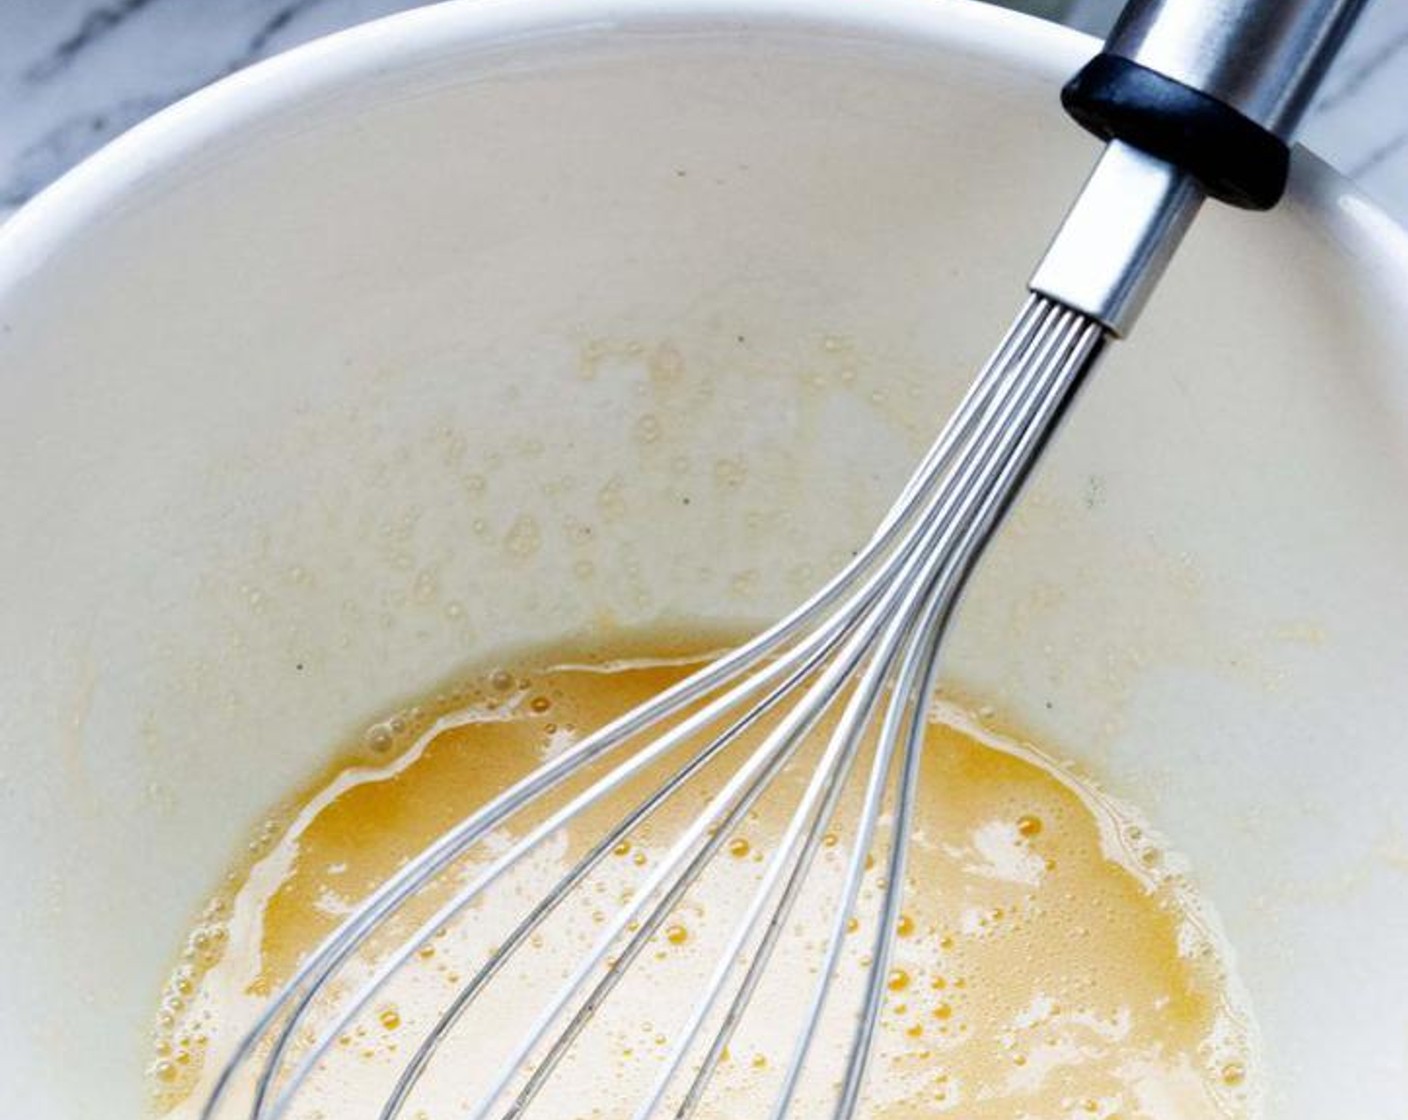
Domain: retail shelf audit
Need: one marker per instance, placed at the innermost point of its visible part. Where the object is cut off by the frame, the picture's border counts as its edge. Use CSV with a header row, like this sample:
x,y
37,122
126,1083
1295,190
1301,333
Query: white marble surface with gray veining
x,y
75,73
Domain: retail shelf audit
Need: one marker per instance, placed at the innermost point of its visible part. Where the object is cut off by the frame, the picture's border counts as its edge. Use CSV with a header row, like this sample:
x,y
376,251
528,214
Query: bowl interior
x,y
480,327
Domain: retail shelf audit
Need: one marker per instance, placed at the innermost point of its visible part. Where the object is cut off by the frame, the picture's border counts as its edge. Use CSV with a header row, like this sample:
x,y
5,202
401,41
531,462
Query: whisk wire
x,y
1060,362
843,745
812,713
549,903
780,745
943,593
847,736
308,980
871,631
825,787
944,449
813,651
858,714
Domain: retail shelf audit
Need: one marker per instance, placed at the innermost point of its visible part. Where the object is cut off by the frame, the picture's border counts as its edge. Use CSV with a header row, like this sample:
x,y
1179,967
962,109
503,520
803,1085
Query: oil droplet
x,y
759,1061
539,704
621,849
905,926
676,934
852,924
389,1018
898,980
829,840
738,847
1233,1073
943,1011
1028,825
916,1031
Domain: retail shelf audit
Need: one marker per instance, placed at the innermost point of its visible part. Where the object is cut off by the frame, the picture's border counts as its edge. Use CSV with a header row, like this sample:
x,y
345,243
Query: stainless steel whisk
x,y
1196,98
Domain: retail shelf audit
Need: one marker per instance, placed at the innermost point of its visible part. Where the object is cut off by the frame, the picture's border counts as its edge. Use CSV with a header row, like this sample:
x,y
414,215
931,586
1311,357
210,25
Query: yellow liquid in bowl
x,y
1048,963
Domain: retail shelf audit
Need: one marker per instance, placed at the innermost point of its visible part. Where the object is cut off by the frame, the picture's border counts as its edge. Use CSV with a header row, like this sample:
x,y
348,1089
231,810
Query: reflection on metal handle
x,y
1118,237
1265,58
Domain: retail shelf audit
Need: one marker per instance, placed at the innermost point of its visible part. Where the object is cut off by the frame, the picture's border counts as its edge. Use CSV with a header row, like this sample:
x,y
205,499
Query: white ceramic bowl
x,y
311,386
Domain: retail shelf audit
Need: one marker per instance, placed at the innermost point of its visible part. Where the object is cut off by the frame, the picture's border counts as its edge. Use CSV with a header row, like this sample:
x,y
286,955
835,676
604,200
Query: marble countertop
x,y
75,73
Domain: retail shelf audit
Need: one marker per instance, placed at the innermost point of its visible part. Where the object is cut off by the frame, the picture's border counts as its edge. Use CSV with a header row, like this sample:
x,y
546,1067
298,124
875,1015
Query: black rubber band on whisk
x,y
1235,159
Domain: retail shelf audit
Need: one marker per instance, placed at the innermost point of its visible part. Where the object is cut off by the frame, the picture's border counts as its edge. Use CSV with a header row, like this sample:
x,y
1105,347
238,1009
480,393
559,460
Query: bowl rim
x,y
158,145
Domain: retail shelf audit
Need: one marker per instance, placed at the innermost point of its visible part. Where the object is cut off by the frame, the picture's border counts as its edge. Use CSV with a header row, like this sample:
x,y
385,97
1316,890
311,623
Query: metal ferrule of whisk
x,y
1195,98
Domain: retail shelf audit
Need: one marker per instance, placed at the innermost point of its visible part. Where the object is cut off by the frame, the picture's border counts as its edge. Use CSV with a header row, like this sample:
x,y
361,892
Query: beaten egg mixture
x,y
1049,962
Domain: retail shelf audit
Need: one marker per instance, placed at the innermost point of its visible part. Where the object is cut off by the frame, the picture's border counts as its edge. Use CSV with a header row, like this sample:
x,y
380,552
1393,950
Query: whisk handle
x,y
1214,87
1195,98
